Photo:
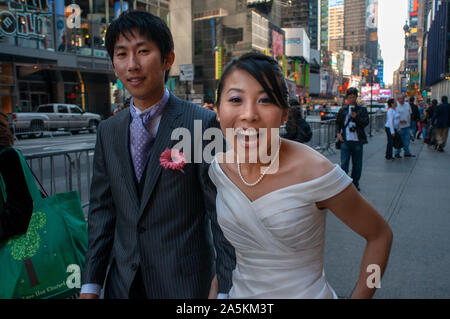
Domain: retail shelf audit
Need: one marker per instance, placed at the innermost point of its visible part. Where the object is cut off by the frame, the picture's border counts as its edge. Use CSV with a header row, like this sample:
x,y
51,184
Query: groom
x,y
152,226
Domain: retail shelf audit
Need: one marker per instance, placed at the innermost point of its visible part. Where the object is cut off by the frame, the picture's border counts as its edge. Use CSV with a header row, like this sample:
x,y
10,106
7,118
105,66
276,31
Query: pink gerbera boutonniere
x,y
173,159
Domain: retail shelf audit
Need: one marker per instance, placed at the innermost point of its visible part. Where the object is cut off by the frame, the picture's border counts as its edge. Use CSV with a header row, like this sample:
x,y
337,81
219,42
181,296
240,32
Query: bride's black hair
x,y
265,70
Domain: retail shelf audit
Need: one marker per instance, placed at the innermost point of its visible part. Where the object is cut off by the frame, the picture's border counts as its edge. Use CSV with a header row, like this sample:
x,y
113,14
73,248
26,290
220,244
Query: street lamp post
x,y
406,30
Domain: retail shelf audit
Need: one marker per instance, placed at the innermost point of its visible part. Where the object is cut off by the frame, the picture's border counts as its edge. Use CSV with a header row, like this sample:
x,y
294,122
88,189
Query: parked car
x,y
52,117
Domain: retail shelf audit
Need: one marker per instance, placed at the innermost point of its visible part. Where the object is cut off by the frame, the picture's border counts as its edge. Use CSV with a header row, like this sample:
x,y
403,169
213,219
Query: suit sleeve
x,y
225,255
101,219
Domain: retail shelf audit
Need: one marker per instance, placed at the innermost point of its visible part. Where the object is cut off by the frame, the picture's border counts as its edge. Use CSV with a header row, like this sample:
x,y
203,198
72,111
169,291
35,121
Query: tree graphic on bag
x,y
27,245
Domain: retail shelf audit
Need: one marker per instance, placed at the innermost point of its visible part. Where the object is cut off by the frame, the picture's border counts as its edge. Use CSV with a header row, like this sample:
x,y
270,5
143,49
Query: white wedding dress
x,y
279,237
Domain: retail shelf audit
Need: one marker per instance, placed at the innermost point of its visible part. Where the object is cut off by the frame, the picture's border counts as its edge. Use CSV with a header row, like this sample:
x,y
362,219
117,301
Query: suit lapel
x,y
125,159
169,121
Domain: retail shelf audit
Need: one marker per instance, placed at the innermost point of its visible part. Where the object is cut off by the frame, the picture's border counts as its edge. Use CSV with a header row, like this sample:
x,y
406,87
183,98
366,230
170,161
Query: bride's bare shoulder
x,y
312,163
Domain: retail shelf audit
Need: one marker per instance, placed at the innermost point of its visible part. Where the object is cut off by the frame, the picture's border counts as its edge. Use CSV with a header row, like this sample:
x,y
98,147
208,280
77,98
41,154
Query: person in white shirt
x,y
392,127
404,110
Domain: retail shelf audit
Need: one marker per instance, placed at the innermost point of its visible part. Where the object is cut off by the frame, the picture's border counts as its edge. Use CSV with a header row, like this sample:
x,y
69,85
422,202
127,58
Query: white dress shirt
x,y
393,120
405,114
350,136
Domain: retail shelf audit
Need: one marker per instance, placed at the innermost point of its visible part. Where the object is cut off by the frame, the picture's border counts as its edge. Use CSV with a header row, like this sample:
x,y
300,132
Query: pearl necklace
x,y
263,173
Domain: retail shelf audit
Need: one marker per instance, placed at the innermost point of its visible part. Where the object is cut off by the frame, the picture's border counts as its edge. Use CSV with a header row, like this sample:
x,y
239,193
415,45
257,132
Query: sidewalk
x,y
413,196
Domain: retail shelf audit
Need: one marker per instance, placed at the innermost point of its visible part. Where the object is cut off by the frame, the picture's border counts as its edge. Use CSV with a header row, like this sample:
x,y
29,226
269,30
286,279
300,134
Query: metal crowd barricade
x,y
323,135
63,171
30,131
377,122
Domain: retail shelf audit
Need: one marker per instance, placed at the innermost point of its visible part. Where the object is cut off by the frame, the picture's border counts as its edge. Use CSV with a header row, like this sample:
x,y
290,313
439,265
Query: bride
x,y
274,213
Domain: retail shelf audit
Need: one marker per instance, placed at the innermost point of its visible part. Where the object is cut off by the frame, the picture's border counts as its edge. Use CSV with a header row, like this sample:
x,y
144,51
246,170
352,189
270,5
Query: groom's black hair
x,y
147,24
265,70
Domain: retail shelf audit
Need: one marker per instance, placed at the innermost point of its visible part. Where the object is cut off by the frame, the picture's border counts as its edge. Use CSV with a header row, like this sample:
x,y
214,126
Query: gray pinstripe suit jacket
x,y
170,232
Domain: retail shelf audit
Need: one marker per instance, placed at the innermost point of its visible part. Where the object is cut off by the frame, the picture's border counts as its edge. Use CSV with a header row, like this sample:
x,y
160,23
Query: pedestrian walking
x,y
431,130
404,109
350,123
441,120
422,130
391,127
415,117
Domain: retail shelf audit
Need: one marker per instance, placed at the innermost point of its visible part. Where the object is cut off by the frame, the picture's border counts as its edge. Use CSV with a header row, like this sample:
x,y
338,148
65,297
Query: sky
x,y
392,15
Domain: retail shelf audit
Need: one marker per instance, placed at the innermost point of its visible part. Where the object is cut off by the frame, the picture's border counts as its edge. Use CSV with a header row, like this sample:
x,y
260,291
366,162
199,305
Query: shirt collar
x,y
163,101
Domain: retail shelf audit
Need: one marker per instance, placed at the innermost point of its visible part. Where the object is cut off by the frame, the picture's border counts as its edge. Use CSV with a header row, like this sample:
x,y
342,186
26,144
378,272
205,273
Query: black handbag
x,y
338,142
398,140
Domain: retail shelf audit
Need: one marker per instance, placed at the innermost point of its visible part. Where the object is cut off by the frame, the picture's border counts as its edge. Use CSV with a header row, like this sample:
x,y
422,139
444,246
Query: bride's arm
x,y
358,214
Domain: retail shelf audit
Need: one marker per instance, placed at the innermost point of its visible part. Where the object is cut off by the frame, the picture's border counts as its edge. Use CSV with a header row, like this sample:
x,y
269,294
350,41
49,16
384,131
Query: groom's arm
x,y
101,222
225,255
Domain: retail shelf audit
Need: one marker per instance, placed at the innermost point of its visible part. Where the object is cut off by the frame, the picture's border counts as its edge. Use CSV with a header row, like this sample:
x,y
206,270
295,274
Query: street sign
x,y
186,72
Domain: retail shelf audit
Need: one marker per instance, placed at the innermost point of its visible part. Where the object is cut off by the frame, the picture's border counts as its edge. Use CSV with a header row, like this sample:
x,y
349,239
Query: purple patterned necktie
x,y
142,135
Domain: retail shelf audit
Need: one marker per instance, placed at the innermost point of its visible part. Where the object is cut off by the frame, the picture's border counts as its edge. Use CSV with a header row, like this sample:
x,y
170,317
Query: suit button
x,y
141,230
134,266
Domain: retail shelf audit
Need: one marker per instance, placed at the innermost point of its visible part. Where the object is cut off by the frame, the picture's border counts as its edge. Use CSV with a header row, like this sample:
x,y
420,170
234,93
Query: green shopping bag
x,y
48,260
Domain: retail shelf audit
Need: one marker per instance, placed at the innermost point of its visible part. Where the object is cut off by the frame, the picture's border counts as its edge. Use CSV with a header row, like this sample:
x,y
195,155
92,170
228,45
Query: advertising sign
x,y
415,77
368,93
347,63
385,94
372,14
277,44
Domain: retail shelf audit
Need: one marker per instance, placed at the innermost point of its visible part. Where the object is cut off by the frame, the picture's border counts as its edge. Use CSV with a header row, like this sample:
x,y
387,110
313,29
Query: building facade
x,y
438,51
223,30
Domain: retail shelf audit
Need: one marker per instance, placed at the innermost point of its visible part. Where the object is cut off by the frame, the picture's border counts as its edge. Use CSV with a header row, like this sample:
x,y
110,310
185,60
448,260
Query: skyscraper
x,y
323,25
355,35
296,15
313,23
336,25
361,32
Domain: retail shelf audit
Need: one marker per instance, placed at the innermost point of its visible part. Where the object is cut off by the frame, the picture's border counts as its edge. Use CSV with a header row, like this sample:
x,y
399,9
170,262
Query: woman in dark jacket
x,y
297,129
17,206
